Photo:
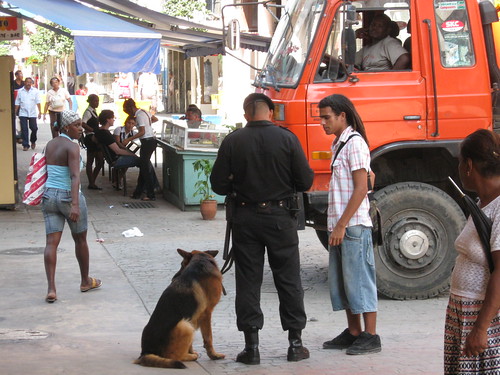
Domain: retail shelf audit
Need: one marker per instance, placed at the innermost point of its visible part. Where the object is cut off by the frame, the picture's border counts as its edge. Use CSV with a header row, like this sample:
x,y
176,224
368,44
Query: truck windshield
x,y
290,44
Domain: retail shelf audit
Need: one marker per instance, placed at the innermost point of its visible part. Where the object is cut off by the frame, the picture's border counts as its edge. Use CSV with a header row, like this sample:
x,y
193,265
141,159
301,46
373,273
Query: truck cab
x,y
415,117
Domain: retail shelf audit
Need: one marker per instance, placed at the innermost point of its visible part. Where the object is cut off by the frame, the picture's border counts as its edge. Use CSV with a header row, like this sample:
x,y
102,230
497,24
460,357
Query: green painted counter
x,y
179,176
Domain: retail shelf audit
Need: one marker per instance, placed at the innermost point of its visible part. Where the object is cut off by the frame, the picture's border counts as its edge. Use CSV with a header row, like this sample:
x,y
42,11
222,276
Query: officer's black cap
x,y
257,97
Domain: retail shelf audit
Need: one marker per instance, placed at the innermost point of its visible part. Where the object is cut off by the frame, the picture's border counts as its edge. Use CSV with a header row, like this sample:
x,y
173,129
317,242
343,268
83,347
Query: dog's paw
x,y
215,355
191,357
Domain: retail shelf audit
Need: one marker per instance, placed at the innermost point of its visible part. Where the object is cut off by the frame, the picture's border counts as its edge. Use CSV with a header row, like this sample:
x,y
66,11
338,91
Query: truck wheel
x,y
420,225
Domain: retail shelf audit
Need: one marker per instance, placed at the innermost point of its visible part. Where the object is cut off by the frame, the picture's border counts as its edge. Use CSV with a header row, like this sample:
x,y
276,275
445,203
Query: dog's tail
x,y
153,360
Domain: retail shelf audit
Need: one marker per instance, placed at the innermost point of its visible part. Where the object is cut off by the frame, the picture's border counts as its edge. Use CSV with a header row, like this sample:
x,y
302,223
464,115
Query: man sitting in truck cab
x,y
384,52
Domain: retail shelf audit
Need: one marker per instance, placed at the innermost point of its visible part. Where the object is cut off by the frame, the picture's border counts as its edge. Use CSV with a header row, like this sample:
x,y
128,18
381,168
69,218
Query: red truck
x,y
415,118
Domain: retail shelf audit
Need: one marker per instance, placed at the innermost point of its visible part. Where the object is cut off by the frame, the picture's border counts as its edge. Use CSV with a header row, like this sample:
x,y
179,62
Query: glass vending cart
x,y
182,146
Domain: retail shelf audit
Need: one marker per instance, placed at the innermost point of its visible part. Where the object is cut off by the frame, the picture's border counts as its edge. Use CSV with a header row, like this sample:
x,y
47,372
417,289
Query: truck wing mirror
x,y
233,35
349,37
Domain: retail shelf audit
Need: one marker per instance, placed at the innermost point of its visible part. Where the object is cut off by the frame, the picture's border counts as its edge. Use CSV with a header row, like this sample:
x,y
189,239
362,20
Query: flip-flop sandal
x,y
94,187
95,283
51,298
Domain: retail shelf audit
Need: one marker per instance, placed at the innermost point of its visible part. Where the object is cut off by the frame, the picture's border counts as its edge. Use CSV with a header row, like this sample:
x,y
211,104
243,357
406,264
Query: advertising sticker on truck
x,y
451,5
452,26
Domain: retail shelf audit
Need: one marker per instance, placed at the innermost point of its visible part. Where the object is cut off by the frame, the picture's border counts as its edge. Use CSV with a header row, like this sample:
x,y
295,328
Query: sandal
x,y
94,187
51,298
147,199
95,283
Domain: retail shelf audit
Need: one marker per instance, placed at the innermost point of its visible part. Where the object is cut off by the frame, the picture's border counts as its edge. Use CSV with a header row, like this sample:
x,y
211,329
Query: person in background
x,y
55,103
126,131
471,341
90,123
147,86
351,270
71,83
18,82
261,167
171,92
92,87
26,104
147,181
64,202
384,52
81,90
124,87
193,118
115,89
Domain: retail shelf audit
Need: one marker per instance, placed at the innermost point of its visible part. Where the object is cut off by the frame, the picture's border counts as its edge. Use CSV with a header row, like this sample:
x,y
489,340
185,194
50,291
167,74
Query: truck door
x,y
458,81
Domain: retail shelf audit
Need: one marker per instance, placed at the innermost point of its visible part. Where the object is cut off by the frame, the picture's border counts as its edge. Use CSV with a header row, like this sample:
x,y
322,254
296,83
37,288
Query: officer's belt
x,y
277,203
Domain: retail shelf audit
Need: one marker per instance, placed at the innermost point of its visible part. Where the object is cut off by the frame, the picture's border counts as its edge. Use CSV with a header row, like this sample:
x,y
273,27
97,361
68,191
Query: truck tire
x,y
419,226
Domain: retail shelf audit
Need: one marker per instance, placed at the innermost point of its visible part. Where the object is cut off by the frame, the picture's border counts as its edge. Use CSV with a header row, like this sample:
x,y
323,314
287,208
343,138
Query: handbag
x,y
35,180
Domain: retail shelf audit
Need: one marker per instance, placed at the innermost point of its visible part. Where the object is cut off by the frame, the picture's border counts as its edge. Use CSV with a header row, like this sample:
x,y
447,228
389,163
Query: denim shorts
x,y
56,207
351,272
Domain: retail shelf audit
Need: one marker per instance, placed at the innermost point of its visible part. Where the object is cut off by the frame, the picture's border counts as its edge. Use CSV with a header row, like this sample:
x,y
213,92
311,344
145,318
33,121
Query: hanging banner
x,y
11,28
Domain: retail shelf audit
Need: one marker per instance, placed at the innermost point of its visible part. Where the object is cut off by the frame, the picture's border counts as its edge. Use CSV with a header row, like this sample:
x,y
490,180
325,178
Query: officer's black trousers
x,y
255,230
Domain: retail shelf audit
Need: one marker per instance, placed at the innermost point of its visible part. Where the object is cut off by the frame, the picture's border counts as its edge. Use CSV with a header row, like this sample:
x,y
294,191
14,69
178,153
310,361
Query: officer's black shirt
x,y
266,161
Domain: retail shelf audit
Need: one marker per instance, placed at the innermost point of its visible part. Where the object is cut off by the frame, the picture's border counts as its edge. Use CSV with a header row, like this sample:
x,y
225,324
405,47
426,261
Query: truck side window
x,y
453,29
330,67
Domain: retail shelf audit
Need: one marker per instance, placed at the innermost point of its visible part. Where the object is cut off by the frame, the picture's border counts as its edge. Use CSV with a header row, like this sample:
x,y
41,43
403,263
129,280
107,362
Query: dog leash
x,y
226,267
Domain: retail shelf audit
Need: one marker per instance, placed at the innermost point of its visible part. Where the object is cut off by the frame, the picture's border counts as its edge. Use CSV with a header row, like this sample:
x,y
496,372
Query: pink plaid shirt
x,y
355,155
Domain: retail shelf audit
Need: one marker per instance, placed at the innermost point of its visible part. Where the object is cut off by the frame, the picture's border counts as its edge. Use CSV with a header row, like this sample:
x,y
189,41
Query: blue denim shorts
x,y
351,272
56,207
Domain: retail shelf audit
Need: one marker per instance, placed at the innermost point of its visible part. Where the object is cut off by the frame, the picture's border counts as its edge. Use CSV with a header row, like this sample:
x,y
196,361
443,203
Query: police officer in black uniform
x,y
261,167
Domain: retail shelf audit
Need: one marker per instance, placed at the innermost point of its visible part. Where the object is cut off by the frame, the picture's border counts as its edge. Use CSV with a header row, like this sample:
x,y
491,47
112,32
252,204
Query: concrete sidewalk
x,y
99,332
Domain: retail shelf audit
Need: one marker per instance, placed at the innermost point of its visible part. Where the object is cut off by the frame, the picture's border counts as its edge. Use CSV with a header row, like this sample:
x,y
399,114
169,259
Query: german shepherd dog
x,y
185,305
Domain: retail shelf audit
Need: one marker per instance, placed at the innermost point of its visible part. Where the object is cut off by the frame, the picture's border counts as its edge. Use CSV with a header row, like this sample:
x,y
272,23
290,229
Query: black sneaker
x,y
365,343
342,341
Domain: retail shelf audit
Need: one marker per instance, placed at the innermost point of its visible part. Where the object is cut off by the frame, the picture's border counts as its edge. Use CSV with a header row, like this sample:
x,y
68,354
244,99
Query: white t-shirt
x,y
471,273
381,55
57,99
120,131
142,118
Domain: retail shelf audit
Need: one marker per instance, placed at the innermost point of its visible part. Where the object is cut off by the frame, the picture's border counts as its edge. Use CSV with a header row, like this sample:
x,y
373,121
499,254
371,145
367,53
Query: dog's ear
x,y
212,252
184,254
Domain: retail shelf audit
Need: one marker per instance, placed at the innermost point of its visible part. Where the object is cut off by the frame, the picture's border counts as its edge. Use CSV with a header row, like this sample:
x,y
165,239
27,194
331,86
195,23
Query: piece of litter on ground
x,y
100,240
134,232
312,319
111,206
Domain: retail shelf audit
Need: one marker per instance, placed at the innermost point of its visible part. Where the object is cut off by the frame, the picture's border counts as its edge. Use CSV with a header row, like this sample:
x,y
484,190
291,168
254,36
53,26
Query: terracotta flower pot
x,y
208,209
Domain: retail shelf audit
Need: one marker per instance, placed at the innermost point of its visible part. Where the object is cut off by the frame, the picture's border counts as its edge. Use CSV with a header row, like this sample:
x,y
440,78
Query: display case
x,y
206,138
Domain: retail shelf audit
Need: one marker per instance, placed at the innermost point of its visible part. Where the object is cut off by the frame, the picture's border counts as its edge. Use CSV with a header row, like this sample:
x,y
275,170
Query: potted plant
x,y
208,205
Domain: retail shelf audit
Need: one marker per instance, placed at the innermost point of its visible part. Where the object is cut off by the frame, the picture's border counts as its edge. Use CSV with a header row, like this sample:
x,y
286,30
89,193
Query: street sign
x,y
11,28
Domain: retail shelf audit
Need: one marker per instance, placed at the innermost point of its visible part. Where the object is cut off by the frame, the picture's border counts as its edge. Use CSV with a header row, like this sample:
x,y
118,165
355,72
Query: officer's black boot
x,y
296,352
250,355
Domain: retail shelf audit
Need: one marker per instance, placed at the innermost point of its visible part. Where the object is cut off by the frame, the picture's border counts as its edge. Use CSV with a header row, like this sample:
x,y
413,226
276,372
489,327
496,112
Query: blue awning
x,y
103,43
